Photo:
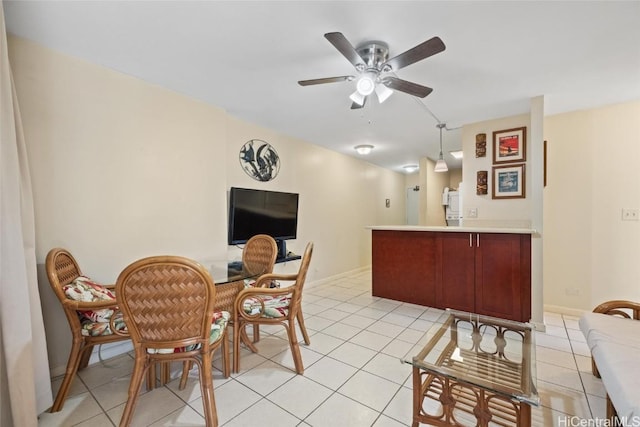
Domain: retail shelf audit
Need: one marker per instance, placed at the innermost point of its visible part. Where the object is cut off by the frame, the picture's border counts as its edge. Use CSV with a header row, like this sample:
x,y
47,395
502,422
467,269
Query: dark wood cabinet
x,y
455,274
403,266
484,273
503,275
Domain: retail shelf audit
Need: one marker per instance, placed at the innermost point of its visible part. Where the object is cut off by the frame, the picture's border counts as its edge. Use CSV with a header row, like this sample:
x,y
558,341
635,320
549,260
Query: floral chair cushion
x,y
274,306
94,322
251,283
218,325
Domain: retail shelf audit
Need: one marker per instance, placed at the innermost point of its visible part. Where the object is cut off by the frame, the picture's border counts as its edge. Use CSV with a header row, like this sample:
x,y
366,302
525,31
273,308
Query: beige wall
x,y
122,169
455,178
491,212
590,254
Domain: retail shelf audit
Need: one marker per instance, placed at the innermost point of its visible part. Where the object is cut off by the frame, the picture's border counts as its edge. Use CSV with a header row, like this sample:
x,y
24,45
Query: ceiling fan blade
x,y
418,53
355,105
407,87
325,80
347,50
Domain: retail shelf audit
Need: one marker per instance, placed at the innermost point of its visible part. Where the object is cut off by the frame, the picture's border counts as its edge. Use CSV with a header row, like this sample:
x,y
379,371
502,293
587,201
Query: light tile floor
x,y
353,374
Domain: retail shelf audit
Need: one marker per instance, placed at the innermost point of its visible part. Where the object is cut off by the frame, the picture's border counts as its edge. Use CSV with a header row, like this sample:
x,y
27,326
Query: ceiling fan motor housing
x,y
374,54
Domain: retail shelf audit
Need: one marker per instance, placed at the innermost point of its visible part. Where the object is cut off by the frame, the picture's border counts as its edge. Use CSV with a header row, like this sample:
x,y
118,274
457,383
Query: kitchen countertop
x,y
453,229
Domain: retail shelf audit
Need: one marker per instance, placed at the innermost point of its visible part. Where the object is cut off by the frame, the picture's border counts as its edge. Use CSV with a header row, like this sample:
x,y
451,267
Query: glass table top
x,y
491,353
222,272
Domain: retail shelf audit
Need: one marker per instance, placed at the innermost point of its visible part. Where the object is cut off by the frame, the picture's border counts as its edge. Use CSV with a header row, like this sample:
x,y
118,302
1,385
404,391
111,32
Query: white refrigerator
x,y
453,207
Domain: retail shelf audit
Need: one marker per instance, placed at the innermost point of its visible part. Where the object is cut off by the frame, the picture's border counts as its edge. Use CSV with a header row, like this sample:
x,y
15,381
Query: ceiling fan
x,y
375,69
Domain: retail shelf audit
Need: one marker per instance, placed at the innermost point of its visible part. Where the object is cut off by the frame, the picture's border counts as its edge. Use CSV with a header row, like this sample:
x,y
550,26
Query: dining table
x,y
230,278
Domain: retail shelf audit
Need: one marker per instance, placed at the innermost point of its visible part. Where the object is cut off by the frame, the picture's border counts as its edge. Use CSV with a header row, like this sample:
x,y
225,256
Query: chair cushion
x,y
218,326
95,329
274,306
94,322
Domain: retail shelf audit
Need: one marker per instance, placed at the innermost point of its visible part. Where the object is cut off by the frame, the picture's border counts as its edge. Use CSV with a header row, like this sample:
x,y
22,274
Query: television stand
x,y
283,254
290,257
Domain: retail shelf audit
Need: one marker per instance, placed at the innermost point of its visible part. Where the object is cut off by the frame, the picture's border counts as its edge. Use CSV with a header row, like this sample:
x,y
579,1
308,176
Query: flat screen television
x,y
254,212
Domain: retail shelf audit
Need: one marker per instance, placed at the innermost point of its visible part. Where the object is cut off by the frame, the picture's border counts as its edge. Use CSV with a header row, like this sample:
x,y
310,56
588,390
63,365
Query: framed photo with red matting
x,y
510,146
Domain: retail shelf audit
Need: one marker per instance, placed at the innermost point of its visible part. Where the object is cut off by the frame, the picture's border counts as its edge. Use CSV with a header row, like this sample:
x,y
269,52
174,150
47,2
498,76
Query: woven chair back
x,y
167,302
62,269
259,254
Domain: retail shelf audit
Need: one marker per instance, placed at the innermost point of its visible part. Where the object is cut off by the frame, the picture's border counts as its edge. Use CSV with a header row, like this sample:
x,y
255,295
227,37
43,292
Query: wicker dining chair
x,y
259,257
259,254
273,306
168,306
88,307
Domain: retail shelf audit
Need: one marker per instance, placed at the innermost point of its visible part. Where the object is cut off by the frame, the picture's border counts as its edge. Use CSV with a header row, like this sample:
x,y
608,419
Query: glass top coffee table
x,y
475,370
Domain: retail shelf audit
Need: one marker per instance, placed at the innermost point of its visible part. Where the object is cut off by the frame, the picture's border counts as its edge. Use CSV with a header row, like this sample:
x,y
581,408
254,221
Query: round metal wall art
x,y
259,160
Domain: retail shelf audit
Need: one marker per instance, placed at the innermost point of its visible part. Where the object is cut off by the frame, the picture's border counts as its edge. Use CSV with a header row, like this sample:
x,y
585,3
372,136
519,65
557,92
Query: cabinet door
x,y
403,266
455,276
503,271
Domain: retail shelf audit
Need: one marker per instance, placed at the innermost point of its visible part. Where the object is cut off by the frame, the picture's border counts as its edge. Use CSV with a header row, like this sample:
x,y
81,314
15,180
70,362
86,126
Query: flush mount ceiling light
x,y
364,149
441,165
456,154
410,168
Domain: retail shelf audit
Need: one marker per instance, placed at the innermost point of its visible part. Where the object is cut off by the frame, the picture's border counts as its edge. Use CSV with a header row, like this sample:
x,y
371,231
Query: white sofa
x,y
612,331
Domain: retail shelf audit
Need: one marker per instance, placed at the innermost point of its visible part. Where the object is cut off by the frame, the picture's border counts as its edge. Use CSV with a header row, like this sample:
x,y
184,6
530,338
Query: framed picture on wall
x,y
508,182
509,145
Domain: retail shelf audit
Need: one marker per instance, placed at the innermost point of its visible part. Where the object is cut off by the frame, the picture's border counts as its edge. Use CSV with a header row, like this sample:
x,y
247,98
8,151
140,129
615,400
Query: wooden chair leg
x,y
206,387
186,367
151,377
84,358
69,375
594,368
295,348
612,414
165,372
236,347
134,389
256,333
226,364
303,329
245,339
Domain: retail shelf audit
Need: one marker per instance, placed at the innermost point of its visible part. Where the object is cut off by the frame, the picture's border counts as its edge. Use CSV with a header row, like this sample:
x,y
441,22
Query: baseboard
x,y
100,352
338,276
564,310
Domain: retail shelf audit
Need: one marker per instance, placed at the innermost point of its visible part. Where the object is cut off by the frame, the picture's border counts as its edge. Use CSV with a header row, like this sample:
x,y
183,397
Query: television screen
x,y
254,212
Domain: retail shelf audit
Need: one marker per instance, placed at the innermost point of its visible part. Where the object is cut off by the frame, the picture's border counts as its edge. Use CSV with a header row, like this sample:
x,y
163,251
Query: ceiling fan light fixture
x,y
357,98
366,84
383,93
363,149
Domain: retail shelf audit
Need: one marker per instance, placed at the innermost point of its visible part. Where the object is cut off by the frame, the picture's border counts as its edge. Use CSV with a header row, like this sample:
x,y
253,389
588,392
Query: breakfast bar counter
x,y
475,269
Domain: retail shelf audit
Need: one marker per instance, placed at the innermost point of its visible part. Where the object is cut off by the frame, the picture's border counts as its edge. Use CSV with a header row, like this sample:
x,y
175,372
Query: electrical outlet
x,y
630,214
472,213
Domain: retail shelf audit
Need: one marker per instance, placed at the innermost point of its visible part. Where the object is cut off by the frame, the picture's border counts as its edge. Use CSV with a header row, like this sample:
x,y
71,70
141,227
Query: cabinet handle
x,y
470,241
478,240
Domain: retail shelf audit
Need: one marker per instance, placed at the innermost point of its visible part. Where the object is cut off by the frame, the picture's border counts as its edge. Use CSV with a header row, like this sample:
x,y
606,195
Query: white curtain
x,y
25,387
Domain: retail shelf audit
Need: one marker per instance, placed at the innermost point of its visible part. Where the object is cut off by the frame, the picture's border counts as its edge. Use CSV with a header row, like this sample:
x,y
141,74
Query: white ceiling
x,y
247,57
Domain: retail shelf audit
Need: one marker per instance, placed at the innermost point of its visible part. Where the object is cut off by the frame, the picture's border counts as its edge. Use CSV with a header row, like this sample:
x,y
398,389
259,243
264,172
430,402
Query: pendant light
x,y
441,165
